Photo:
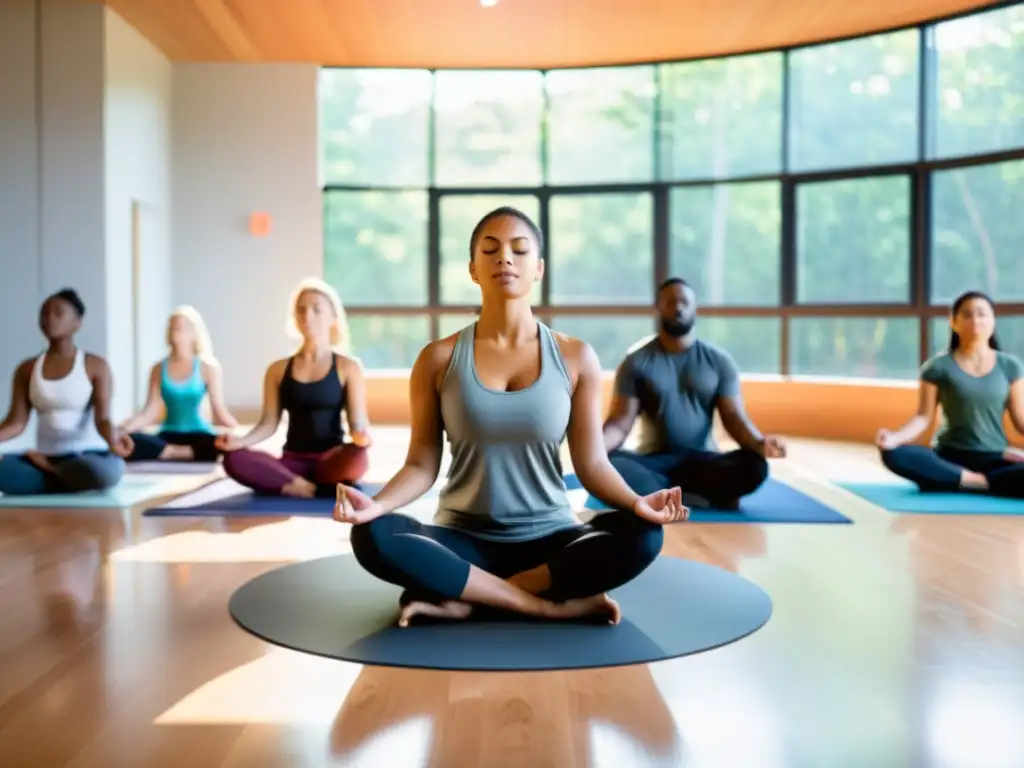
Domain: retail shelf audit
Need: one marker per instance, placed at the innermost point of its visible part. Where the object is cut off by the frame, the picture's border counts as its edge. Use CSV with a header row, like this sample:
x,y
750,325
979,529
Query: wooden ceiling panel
x,y
514,33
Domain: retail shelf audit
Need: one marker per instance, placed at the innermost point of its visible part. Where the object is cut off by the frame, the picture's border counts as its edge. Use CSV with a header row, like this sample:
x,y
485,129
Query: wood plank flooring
x,y
897,641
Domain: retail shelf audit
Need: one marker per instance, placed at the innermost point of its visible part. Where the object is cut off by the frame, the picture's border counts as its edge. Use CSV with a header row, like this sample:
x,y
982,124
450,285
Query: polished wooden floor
x,y
897,641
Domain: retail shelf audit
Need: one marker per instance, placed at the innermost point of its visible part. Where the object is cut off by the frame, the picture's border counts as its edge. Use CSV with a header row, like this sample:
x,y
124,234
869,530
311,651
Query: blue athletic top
x,y
183,401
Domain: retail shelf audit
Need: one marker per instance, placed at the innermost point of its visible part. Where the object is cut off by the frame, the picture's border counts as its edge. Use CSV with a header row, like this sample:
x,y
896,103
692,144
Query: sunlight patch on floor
x,y
282,688
297,538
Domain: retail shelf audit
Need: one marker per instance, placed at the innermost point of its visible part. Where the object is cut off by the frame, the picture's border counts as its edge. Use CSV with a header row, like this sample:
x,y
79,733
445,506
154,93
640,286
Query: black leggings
x,y
718,478
149,447
940,470
432,563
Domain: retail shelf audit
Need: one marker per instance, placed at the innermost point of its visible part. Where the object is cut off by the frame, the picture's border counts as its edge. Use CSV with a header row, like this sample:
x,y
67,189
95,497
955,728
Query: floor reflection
x,y
563,717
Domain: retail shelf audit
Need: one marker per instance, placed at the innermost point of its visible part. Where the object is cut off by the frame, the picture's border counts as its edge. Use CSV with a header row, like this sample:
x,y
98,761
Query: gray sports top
x,y
505,481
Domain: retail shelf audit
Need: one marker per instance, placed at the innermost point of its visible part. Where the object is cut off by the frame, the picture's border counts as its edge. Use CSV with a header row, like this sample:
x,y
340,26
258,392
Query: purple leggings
x,y
268,474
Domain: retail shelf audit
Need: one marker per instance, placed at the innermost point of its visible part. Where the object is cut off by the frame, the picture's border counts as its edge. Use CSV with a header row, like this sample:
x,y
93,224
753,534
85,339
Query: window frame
x,y
917,305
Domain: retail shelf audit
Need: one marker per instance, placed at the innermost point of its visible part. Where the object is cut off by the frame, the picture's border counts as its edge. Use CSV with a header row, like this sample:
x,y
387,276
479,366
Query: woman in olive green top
x,y
975,383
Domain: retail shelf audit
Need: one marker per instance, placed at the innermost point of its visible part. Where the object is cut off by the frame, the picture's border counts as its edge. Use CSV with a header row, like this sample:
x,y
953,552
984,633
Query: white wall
x,y
19,187
244,139
51,174
93,119
138,171
78,88
72,249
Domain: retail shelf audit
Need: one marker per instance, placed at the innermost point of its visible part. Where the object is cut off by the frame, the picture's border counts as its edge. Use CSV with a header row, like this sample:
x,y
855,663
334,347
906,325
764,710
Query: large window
x,y
853,241
862,347
600,125
375,248
827,202
488,128
601,249
854,103
721,118
977,231
375,127
978,95
726,239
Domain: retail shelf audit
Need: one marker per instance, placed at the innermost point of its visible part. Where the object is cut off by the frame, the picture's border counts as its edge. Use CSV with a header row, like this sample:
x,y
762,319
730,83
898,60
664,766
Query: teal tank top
x,y
505,481
183,401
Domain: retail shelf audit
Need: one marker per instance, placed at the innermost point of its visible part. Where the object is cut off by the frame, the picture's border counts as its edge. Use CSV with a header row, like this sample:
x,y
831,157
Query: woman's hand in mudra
x,y
662,507
361,439
355,507
1016,455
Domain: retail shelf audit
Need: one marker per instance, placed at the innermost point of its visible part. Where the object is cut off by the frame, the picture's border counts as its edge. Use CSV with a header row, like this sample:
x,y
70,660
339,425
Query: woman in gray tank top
x,y
506,390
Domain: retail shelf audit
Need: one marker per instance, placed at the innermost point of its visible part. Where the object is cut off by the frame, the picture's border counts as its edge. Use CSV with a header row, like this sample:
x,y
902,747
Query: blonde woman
x,y
314,386
180,383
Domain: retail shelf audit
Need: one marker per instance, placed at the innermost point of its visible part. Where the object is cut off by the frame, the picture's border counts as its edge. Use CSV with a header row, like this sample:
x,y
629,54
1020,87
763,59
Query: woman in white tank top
x,y
77,446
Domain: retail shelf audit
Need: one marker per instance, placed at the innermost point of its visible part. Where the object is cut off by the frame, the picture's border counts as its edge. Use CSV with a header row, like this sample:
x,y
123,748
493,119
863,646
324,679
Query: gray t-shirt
x,y
678,392
972,406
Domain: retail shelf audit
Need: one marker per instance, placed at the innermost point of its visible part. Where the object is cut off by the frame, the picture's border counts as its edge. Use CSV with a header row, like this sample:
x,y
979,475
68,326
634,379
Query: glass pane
x,y
488,128
858,347
725,242
375,247
459,215
611,336
1009,331
853,241
449,324
753,342
854,102
978,104
600,250
977,233
600,125
389,341
374,125
721,118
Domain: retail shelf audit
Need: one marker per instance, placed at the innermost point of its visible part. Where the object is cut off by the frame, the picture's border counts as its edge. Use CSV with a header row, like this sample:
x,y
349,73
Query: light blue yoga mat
x,y
905,497
132,490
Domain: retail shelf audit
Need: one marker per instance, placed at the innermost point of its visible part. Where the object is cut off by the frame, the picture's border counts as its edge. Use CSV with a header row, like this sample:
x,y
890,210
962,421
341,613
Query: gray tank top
x,y
505,482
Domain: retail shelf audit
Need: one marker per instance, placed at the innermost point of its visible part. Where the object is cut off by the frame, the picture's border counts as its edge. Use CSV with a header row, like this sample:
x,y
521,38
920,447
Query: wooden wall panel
x,y
834,410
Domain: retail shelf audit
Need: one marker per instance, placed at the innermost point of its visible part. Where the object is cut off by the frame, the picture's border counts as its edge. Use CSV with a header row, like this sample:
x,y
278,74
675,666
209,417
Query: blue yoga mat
x,y
225,498
132,490
773,502
904,497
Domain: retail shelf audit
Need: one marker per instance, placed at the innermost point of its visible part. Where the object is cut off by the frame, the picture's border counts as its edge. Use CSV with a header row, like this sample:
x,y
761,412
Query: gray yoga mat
x,y
172,467
331,607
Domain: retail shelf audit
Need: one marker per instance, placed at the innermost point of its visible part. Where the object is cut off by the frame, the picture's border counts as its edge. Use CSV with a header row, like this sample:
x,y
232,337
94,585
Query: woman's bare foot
x,y
177,453
449,609
589,606
300,488
974,480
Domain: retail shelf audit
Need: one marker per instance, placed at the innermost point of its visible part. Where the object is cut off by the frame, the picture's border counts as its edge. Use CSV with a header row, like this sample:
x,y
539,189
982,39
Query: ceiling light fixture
x,y
488,3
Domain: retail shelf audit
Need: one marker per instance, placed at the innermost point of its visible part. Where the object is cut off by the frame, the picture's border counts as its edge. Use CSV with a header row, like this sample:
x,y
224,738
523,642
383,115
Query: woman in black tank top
x,y
313,386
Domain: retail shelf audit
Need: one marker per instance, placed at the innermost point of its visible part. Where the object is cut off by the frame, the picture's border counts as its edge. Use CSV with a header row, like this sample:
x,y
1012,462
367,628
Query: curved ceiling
x,y
512,33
